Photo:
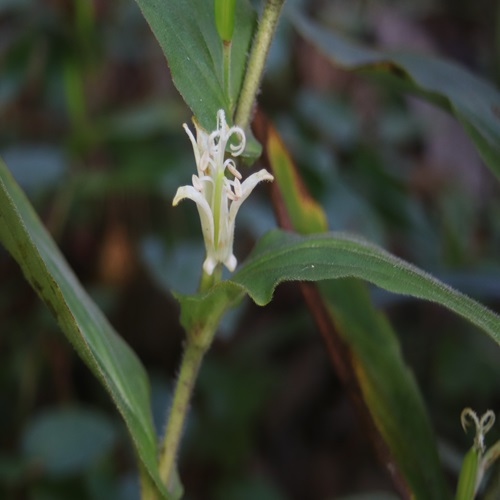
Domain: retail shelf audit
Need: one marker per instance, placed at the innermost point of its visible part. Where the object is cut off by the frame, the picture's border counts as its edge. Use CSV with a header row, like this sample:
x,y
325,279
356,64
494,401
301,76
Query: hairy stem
x,y
256,61
199,341
207,281
226,56
148,489
190,365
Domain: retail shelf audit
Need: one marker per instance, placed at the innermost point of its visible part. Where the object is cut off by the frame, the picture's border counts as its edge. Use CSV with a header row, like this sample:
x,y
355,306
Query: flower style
x,y
218,197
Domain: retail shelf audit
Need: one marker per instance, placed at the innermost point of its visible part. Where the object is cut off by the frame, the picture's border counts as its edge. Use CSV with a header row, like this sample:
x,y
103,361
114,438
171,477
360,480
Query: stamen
x,y
230,194
204,161
467,415
482,425
237,149
221,119
237,188
214,141
197,183
231,166
487,421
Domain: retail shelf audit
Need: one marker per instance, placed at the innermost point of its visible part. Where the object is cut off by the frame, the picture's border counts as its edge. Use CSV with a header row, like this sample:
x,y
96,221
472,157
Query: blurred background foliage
x,y
90,126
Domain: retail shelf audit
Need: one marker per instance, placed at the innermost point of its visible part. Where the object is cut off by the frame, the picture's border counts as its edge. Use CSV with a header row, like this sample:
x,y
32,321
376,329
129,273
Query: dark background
x,y
90,125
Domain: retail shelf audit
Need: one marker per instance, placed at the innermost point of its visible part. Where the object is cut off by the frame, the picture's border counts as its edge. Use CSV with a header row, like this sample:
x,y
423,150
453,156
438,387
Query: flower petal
x,y
196,151
209,264
206,216
217,197
231,262
244,191
239,147
247,187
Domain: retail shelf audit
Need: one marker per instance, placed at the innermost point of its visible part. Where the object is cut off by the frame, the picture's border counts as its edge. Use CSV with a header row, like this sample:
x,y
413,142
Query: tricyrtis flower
x,y
217,196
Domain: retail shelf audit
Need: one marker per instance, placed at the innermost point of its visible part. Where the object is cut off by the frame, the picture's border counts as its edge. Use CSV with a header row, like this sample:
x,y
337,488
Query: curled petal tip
x,y
178,197
231,262
209,265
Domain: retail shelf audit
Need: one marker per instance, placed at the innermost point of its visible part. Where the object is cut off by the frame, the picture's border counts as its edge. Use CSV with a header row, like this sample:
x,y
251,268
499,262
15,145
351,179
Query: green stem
x,y
207,281
226,57
148,489
256,61
199,341
196,347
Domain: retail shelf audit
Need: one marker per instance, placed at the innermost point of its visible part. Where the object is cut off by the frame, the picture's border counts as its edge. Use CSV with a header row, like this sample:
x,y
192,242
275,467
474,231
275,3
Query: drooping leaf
x,y
282,256
381,387
474,101
388,386
187,33
103,351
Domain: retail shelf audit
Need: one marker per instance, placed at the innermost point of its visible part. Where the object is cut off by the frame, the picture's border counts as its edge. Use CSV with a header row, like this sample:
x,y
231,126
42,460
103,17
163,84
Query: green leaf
x,y
305,214
187,34
387,384
204,310
387,394
473,101
281,256
466,486
103,351
224,18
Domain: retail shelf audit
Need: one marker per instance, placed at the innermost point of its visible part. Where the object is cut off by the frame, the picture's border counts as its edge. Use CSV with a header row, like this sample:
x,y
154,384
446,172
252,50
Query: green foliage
x,y
143,161
104,352
187,34
281,256
468,473
388,387
224,18
203,311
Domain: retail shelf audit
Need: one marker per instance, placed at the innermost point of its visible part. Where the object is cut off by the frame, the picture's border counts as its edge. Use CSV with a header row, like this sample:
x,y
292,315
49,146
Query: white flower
x,y
218,197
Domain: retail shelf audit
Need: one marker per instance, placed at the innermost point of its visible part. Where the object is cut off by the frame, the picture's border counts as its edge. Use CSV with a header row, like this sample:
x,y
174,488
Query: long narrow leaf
x,y
363,347
103,351
282,256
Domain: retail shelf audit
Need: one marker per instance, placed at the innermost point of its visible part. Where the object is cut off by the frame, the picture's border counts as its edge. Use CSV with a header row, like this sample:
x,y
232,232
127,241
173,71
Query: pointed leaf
x,y
103,351
473,101
387,384
280,256
188,35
